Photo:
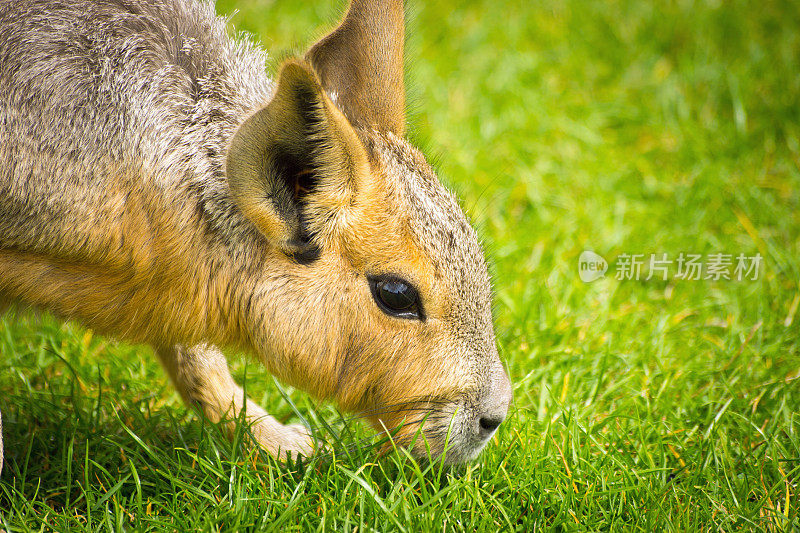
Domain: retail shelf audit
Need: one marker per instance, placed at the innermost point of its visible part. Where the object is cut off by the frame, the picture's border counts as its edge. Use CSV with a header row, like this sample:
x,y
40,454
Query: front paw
x,y
283,442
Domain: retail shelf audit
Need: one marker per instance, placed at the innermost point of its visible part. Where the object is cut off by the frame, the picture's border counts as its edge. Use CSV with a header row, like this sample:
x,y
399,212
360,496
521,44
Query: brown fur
x,y
362,65
259,224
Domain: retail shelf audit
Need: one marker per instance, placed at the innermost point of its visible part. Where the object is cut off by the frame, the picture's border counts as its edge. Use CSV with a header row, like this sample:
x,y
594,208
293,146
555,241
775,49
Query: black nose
x,y
489,423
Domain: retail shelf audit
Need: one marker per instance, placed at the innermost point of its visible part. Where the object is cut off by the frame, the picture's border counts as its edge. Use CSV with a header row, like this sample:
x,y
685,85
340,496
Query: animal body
x,y
158,186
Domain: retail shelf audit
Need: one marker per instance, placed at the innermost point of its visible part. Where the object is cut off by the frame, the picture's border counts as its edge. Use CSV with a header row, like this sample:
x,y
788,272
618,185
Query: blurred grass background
x,y
619,127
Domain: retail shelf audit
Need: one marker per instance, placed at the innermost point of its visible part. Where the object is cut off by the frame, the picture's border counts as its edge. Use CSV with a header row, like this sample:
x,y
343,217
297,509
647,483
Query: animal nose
x,y
495,406
490,423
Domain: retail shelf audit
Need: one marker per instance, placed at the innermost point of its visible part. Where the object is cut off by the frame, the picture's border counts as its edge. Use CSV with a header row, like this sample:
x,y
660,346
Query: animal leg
x,y
203,379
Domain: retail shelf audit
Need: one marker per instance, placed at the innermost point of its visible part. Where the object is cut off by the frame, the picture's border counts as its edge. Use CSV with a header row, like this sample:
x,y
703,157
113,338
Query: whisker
x,y
421,413
417,404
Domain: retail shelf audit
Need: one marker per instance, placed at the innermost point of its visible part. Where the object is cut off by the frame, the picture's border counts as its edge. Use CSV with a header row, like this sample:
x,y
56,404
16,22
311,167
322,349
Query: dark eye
x,y
396,297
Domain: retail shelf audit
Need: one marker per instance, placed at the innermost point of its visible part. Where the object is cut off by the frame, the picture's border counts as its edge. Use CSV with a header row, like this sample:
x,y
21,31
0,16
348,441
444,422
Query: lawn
x,y
624,128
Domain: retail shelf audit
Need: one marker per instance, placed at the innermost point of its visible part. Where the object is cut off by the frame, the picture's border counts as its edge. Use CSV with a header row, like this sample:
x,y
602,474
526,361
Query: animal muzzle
x,y
492,406
476,420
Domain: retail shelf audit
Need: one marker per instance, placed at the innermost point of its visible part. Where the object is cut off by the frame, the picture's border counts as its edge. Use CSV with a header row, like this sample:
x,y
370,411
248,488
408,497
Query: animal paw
x,y
283,442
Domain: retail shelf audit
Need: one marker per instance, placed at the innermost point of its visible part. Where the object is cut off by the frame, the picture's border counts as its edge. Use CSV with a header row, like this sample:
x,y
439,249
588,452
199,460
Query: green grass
x,y
620,127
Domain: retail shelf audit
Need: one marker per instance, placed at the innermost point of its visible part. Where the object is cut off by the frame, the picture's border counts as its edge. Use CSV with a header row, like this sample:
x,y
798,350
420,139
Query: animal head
x,y
384,293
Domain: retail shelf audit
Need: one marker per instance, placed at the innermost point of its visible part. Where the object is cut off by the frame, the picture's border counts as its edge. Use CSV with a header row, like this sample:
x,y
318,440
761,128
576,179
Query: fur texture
x,y
157,186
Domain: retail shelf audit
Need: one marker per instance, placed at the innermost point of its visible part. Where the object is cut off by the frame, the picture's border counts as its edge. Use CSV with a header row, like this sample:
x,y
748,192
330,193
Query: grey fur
x,y
157,86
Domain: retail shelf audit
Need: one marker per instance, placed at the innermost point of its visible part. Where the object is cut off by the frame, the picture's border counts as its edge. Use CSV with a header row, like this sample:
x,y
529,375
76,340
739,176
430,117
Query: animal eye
x,y
396,297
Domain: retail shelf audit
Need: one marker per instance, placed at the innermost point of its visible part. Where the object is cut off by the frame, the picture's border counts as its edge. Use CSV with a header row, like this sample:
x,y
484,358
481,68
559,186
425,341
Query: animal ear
x,y
360,64
295,165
